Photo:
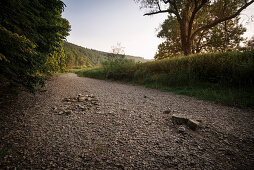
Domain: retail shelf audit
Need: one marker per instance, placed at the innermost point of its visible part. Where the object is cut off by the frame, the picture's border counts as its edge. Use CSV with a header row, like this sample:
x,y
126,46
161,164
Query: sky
x,y
101,24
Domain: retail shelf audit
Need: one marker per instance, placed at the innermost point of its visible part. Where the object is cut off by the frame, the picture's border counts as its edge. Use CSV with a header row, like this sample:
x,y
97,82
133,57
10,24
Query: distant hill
x,y
137,59
78,56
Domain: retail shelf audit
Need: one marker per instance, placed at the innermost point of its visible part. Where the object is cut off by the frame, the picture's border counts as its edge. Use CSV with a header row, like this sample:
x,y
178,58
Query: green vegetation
x,y
225,36
221,77
31,40
194,21
78,57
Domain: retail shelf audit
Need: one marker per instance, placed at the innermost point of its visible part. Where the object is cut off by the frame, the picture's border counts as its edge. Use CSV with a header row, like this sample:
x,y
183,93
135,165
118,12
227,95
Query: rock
x,y
95,103
111,112
54,109
193,125
67,112
81,98
181,129
66,99
166,111
124,109
179,119
60,113
94,99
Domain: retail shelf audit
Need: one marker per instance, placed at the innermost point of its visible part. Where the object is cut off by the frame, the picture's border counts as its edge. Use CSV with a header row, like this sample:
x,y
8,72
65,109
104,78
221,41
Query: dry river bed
x,y
119,126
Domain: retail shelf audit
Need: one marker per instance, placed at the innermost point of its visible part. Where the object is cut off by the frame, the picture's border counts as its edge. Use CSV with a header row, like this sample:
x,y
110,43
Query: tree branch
x,y
196,9
222,19
160,11
173,3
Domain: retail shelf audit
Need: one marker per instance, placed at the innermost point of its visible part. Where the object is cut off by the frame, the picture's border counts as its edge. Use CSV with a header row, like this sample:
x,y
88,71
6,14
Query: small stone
x,y
193,125
94,103
124,109
111,112
68,112
166,111
81,98
66,99
60,113
96,100
181,129
179,119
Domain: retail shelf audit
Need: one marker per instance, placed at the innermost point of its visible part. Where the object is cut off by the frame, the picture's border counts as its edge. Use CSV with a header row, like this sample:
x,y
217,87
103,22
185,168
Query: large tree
x,y
188,12
225,36
31,32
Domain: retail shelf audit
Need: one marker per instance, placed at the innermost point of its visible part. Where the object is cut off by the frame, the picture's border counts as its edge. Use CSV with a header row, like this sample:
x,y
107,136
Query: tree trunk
x,y
186,40
186,47
186,43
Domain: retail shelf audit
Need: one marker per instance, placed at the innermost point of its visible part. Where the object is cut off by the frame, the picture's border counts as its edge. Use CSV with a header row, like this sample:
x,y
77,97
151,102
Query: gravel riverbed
x,y
120,126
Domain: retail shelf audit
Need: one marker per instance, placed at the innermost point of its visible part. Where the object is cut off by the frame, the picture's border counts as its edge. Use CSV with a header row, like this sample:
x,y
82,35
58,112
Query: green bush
x,y
231,68
119,69
221,77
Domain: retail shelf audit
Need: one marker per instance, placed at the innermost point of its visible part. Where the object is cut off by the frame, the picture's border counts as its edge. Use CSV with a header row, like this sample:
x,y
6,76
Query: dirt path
x,y
120,126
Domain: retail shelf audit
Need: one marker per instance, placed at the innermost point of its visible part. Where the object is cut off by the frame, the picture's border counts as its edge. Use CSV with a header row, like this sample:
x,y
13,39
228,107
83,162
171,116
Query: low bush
x,y
223,77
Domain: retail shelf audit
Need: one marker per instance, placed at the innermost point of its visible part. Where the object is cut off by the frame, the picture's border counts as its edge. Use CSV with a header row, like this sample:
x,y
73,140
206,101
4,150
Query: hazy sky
x,y
100,24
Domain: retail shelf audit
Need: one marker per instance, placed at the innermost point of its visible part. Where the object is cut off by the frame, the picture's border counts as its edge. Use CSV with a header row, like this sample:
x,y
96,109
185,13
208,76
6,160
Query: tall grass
x,y
222,77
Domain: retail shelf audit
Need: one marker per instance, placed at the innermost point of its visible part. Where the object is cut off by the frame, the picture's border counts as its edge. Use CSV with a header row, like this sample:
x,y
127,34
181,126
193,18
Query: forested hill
x,y
80,56
77,56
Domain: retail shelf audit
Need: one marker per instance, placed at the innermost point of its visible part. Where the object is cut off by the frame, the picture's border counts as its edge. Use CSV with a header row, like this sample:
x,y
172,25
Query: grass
x,y
225,78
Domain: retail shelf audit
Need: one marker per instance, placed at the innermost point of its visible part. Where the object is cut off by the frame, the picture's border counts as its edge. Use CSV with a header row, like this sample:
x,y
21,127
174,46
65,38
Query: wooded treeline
x,y
77,56
31,40
81,57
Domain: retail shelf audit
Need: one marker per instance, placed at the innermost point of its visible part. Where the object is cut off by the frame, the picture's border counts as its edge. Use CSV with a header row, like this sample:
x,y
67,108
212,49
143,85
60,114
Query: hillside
x,y
78,56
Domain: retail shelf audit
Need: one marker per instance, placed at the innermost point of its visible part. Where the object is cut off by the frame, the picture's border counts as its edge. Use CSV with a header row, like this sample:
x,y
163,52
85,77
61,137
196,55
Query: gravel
x,y
78,123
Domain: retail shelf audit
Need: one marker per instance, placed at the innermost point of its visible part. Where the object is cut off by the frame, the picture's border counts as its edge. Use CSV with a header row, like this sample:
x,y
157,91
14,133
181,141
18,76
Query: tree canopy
x,y
31,33
225,36
189,12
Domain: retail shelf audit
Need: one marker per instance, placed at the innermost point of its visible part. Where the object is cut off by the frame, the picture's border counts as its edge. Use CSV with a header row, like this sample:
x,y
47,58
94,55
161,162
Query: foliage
x,y
118,69
249,45
196,17
223,77
31,31
56,60
77,56
225,36
20,59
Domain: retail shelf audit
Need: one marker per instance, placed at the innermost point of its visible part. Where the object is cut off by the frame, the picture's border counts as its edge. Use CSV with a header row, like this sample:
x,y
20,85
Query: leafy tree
x,y
189,12
249,45
56,60
31,32
225,36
